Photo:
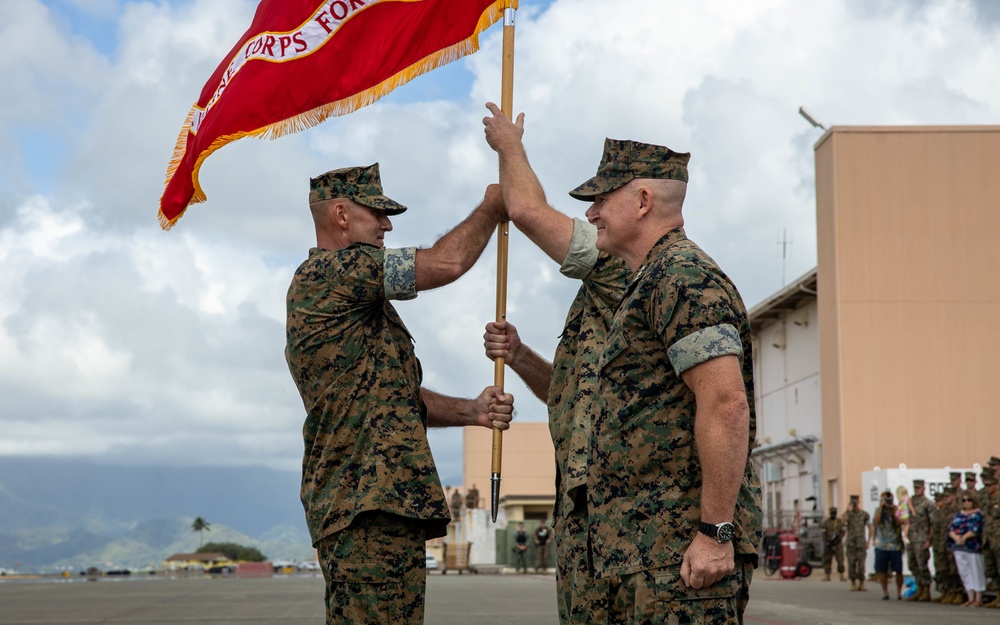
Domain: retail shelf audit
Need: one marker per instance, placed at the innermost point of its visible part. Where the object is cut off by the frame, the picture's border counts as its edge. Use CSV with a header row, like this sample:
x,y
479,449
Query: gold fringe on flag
x,y
320,114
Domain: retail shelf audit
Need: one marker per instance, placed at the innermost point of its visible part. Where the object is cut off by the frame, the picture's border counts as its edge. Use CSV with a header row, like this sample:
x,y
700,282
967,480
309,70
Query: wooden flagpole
x,y
503,231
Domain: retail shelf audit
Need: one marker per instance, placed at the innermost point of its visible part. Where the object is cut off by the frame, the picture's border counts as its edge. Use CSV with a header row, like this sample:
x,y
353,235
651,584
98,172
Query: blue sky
x,y
123,342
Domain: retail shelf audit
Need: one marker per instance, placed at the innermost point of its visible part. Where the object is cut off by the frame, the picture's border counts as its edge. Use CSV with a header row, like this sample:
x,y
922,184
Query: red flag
x,y
302,61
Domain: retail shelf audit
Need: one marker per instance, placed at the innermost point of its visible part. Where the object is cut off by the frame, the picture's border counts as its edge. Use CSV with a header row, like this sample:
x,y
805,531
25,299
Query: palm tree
x,y
200,525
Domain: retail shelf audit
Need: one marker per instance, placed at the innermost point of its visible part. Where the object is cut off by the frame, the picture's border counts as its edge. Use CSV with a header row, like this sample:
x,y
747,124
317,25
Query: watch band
x,y
723,532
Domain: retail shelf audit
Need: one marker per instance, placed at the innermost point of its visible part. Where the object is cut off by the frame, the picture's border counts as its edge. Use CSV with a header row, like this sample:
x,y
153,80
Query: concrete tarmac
x,y
451,600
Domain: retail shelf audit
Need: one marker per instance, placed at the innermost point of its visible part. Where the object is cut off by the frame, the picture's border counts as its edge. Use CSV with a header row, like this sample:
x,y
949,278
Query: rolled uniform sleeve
x,y
400,273
582,255
703,345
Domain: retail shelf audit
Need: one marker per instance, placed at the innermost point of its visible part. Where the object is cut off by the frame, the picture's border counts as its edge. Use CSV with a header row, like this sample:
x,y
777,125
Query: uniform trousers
x,y
375,571
660,596
582,599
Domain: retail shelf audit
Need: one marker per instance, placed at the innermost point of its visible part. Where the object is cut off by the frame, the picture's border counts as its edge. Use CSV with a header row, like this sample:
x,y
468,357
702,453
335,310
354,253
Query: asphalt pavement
x,y
451,600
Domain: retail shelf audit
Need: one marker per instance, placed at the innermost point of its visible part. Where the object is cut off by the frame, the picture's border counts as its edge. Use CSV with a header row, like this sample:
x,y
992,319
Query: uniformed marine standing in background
x,y
833,545
990,505
859,539
919,535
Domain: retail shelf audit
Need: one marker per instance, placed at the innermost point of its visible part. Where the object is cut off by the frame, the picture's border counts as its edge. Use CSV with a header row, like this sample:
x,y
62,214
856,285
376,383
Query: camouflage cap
x,y
855,498
950,490
917,483
624,161
360,184
994,461
955,475
989,480
833,509
970,475
938,496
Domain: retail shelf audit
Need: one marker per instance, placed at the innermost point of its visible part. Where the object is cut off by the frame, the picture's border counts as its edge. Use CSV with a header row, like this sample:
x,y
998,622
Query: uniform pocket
x,y
614,344
677,603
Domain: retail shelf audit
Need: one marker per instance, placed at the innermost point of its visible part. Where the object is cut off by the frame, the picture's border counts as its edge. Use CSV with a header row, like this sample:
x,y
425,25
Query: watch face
x,y
725,532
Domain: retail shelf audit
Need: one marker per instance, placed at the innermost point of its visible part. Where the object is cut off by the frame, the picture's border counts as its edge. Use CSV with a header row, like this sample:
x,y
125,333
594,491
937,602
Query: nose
x,y
592,212
384,222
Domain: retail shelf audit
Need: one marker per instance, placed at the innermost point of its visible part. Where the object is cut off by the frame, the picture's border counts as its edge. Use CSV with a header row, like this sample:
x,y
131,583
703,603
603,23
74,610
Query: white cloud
x,y
116,338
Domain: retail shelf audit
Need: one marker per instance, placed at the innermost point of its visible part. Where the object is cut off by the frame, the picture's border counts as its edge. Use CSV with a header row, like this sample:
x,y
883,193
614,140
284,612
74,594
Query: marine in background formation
x,y
859,539
919,535
833,545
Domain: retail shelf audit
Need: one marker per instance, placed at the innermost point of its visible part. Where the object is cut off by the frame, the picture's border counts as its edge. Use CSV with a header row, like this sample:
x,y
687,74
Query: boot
x,y
917,594
925,593
993,604
957,598
826,577
854,585
939,598
843,576
861,586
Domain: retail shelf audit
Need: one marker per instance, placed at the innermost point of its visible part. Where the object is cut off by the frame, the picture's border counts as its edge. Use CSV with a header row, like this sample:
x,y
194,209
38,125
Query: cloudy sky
x,y
123,342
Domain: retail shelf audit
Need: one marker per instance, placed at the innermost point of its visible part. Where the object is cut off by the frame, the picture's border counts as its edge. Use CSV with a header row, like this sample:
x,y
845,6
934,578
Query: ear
x,y
340,215
645,199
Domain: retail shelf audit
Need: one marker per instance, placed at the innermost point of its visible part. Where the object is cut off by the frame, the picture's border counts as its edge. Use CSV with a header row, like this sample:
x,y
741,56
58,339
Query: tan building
x,y
908,226
528,476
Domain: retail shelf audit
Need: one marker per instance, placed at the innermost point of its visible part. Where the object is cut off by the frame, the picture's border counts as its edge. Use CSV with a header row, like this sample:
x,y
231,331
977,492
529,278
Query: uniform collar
x,y
674,236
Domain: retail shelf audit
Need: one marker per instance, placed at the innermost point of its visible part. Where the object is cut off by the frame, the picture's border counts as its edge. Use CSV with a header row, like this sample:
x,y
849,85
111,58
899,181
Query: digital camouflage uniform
x,y
856,522
645,479
945,570
917,554
990,505
991,567
572,403
370,489
833,545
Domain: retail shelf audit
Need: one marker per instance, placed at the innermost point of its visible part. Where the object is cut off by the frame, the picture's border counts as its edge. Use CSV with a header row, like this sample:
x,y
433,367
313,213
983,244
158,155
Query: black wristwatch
x,y
723,532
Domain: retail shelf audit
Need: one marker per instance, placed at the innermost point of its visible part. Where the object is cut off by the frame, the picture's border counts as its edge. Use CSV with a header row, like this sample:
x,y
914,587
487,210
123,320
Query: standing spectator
x,y
833,545
970,482
888,546
965,537
991,524
939,548
950,584
955,480
542,539
859,539
520,547
919,533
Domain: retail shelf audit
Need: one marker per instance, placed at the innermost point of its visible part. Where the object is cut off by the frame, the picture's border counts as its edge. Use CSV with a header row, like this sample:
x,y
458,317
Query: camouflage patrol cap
x,y
360,184
950,490
970,475
833,509
917,483
989,480
955,475
624,161
994,461
855,498
938,496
